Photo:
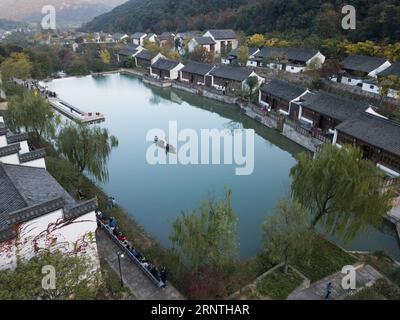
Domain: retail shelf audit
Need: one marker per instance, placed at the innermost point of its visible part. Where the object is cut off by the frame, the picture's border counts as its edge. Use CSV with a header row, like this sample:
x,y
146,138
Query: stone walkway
x,y
365,276
134,279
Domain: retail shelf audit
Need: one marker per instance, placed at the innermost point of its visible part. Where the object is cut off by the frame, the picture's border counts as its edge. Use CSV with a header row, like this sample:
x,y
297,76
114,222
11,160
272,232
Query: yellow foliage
x,y
256,40
105,56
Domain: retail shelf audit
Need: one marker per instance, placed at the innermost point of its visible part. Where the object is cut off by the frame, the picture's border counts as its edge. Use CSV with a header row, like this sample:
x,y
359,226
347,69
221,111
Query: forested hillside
x,y
377,20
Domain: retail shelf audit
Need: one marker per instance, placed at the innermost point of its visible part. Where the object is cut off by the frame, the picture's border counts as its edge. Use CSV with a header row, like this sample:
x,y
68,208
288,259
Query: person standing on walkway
x,y
328,290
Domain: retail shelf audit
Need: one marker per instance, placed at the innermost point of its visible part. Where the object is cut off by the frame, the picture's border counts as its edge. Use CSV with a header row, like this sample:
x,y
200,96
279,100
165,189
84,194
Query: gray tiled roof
x,y
145,55
204,40
221,34
17,138
197,68
379,132
333,106
128,50
362,63
165,35
35,211
138,35
165,64
282,89
10,149
81,209
393,70
36,185
33,155
27,193
295,54
252,51
231,73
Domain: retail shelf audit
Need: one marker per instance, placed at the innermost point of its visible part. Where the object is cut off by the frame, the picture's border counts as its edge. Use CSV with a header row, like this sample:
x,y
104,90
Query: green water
x,y
155,195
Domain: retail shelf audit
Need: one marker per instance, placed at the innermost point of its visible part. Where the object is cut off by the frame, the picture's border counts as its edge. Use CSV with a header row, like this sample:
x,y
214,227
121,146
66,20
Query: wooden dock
x,y
74,113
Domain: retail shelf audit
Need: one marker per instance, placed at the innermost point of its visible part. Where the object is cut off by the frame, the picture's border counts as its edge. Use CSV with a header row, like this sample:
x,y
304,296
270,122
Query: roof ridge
x,y
394,122
2,164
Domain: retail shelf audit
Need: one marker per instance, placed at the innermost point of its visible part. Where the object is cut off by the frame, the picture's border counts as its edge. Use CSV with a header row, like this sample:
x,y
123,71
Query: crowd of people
x,y
34,85
160,274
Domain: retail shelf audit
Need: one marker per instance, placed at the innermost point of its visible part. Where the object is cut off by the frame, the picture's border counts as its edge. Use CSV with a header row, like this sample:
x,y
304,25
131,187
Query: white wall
x,y
52,232
370,87
24,147
251,63
174,73
294,69
3,141
10,159
374,73
38,163
318,59
352,82
8,257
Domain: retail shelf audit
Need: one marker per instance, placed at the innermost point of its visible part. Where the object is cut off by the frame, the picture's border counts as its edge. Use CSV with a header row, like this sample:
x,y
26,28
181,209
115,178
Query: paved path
x,y
137,282
365,276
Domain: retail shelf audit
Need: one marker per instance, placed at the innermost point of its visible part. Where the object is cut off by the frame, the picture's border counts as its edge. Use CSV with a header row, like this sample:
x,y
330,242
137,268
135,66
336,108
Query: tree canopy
x,y
32,113
17,65
286,233
340,189
74,279
207,236
87,147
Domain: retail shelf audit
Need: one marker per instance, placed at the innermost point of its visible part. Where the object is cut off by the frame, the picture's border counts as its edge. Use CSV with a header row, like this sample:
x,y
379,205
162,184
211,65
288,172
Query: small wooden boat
x,y
162,144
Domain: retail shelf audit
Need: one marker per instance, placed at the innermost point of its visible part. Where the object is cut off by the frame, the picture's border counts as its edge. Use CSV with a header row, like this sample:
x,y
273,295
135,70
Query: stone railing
x,y
307,133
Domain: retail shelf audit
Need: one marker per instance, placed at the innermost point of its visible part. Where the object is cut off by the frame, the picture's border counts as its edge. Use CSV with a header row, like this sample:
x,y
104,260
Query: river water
x,y
155,194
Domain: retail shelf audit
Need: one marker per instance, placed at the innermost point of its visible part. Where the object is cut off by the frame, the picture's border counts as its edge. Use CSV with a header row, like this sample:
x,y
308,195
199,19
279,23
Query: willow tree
x,y
341,190
74,279
206,237
87,147
31,113
286,234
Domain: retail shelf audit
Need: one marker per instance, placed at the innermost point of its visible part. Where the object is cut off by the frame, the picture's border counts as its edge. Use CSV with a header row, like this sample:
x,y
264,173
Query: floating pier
x,y
74,113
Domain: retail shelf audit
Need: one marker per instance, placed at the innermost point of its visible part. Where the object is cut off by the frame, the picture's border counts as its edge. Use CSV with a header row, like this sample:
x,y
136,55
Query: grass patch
x,y
71,180
279,285
381,290
112,289
384,263
326,259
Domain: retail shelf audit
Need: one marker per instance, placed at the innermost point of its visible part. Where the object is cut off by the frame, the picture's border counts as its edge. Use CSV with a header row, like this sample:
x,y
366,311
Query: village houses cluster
x,y
36,211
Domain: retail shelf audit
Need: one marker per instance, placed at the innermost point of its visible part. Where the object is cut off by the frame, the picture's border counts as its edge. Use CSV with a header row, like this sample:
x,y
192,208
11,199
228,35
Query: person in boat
x,y
155,139
167,147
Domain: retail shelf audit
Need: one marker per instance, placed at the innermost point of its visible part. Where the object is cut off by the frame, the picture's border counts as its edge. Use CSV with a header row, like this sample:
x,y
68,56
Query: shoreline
x,y
271,121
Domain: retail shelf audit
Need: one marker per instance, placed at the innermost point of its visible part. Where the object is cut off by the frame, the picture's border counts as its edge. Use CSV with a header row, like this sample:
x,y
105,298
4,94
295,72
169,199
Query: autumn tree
x,y
74,279
207,236
17,65
32,113
87,147
286,234
388,83
151,47
201,54
256,40
242,54
105,56
204,241
330,68
341,190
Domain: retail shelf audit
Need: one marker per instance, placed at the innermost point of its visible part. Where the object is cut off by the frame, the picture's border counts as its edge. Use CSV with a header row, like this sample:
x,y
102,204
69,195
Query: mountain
x,y
66,10
9,25
376,19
